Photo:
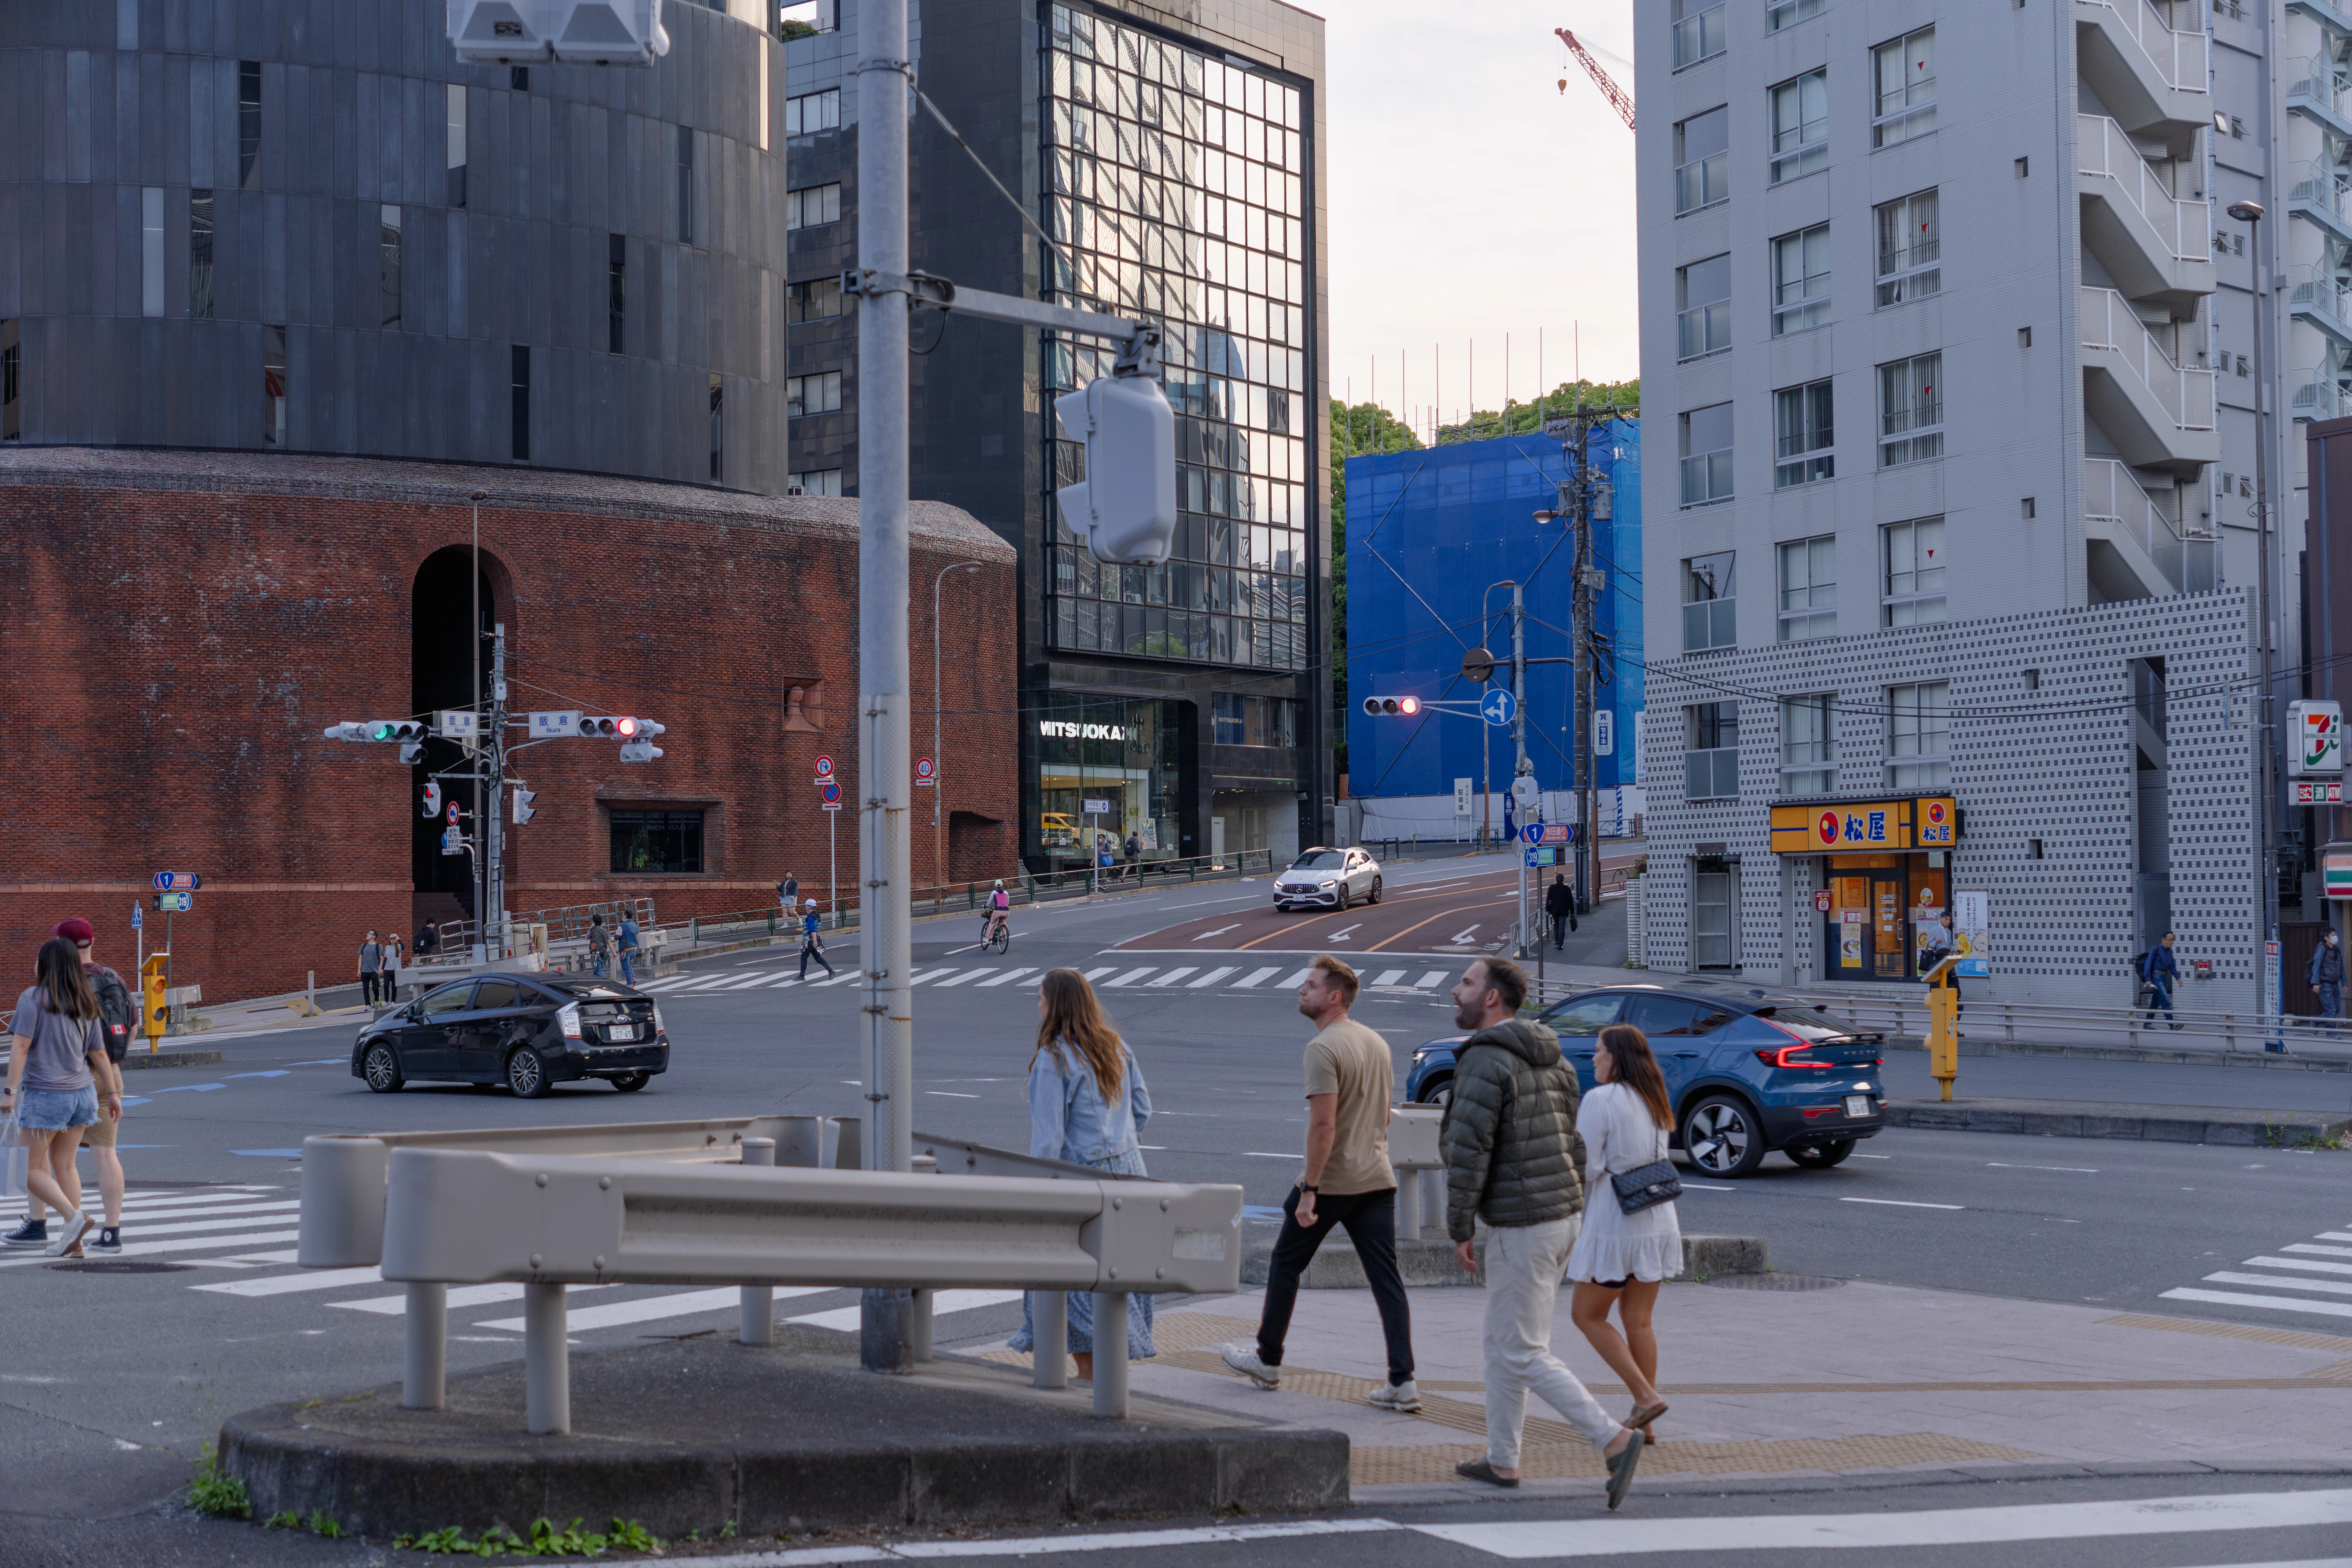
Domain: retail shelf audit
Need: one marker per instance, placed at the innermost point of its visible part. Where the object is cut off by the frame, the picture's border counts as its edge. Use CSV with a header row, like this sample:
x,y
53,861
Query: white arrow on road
x,y
1219,932
1462,936
1343,935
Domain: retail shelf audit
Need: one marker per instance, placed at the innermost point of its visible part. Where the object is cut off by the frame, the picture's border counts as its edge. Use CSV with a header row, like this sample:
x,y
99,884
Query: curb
x,y
2276,1061
1426,1263
138,1059
2150,1123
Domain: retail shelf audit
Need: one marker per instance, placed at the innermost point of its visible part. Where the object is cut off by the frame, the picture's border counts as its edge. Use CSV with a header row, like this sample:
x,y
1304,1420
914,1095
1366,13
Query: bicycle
x,y
999,938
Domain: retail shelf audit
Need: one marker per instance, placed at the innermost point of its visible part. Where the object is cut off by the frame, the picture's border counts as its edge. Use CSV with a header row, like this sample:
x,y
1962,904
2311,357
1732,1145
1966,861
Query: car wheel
x,y
1376,892
1723,1136
630,1082
1346,898
1821,1156
527,1075
1440,1094
381,1067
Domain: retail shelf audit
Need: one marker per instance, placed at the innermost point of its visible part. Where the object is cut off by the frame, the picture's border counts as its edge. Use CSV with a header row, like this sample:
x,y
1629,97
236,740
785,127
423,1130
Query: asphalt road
x,y
115,1376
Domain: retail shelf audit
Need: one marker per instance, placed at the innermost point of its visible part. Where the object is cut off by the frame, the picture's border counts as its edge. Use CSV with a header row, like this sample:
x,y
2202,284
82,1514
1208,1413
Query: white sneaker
x,y
1405,1398
1244,1359
72,1228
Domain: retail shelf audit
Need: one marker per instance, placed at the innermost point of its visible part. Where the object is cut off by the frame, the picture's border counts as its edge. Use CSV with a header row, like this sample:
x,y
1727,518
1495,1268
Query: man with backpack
x,y
2159,972
811,946
600,946
118,1011
2325,975
370,970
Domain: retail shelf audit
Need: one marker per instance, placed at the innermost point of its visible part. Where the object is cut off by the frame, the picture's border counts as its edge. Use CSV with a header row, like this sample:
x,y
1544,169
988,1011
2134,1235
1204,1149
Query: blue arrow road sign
x,y
1533,832
1497,706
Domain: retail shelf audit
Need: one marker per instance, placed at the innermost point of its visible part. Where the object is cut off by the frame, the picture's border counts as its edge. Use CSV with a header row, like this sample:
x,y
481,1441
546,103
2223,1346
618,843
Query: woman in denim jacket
x,y
1086,1105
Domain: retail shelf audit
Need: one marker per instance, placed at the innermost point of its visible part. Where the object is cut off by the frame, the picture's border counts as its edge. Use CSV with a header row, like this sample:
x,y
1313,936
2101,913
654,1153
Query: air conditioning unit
x,y
607,32
500,32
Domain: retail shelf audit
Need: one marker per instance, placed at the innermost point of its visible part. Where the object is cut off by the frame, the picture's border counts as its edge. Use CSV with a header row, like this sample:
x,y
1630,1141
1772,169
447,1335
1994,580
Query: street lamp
x,y
2251,215
936,786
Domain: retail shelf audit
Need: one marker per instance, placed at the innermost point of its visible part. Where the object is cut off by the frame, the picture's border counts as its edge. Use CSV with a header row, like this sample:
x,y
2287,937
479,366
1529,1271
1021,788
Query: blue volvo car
x,y
1747,1072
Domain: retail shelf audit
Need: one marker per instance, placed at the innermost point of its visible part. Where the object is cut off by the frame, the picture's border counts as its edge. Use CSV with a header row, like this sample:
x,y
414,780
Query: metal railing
x,y
2316,184
2186,394
2182,60
2111,495
2314,77
566,924
2105,151
2315,395
705,1203
2319,292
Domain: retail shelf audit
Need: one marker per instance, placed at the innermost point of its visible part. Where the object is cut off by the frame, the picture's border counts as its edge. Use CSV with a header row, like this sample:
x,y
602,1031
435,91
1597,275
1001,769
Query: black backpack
x,y
118,1010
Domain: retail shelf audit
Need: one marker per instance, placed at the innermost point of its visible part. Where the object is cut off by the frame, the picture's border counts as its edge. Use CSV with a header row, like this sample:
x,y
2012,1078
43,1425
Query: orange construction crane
x,y
1616,95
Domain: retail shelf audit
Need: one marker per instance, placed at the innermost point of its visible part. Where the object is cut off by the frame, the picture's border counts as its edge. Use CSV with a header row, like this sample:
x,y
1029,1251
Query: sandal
x,y
1480,1471
1620,1470
1645,1414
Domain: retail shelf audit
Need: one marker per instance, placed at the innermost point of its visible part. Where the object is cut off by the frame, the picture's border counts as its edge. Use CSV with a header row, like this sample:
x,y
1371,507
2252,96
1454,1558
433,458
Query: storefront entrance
x,y
1880,908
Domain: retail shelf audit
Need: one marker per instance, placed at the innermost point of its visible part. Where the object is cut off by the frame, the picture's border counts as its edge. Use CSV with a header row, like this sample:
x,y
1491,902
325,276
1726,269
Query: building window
x,y
1698,33
1809,588
816,204
812,301
1702,307
150,251
12,380
812,111
1801,280
684,185
1910,251
1904,75
1918,755
456,145
816,483
1801,126
718,428
1781,14
616,293
1232,722
519,78
818,393
248,125
1711,764
1915,572
1808,744
1701,159
200,255
388,263
519,379
657,841
1710,604
1803,434
273,386
1705,434
1910,411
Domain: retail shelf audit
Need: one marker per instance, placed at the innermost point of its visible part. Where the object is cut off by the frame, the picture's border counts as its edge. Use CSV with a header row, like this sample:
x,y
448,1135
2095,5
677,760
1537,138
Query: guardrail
x,y
706,1202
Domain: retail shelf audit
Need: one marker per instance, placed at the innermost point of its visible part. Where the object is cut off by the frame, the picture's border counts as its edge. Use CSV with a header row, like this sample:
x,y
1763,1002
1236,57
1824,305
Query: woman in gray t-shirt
x,y
56,1074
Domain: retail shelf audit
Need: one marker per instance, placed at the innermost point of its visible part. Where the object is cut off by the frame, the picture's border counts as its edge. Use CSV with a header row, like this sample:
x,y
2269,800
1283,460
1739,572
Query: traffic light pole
x,y
1520,767
492,808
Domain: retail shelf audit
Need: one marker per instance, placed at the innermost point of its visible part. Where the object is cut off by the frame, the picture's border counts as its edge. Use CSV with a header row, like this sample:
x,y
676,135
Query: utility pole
x,y
494,799
1580,635
1520,767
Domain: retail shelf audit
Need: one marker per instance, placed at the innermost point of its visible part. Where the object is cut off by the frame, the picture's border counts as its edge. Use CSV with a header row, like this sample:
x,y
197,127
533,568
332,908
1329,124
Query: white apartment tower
x,y
1951,558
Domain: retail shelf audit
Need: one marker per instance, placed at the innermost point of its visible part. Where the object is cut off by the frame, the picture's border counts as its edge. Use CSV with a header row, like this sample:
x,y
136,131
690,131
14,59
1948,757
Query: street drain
x,y
122,1266
1775,1282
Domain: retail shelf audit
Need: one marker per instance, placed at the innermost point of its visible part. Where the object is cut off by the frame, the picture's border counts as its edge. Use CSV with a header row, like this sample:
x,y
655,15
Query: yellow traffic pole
x,y
1943,1020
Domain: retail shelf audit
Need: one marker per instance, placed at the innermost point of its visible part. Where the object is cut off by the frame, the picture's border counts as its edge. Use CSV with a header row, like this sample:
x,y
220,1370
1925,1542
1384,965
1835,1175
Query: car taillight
x,y
1784,1057
568,1016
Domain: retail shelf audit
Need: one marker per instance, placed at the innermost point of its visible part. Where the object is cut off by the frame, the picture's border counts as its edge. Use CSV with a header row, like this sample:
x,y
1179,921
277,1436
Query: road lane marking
x,y
2272,1304
1997,1165
959,979
1389,977
1094,974
1219,932
1255,978
183,1244
2280,1282
1131,976
1297,980
2323,1251
950,1094
1173,975
459,1295
942,1303
1210,979
620,1314
2304,1263
1265,1155
1463,937
1344,935
1008,977
1435,977
273,1072
1900,1204
285,1284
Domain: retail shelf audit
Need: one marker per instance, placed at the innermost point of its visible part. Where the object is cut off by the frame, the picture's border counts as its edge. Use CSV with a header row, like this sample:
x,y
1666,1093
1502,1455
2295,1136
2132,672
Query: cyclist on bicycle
x,y
1000,911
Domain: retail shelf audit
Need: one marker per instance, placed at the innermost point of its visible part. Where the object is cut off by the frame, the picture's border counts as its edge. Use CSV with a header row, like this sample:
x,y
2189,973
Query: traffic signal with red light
x,y
1391,707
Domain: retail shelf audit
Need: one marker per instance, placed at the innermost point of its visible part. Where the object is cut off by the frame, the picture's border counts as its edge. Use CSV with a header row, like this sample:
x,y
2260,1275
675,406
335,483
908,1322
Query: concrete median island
x,y
701,1432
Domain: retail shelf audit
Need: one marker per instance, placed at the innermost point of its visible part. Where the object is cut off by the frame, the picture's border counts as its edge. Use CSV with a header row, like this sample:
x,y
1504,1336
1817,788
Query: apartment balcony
x,y
2314,192
2149,77
2315,91
2158,414
2325,300
2316,395
2326,13
2135,550
2153,244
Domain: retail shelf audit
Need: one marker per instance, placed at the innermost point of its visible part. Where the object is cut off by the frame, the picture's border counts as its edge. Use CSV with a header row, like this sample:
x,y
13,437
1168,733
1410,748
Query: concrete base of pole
x,y
919,1324
424,1347
546,1360
884,1340
1111,1356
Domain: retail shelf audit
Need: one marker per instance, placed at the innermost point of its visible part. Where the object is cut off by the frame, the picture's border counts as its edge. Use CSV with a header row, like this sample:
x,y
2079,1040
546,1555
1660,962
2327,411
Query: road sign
x,y
1532,832
1462,797
1497,706
1096,808
1604,732
831,794
456,723
824,769
453,841
1821,903
1558,832
187,881
1478,665
553,725
138,917
923,771
1540,854
176,903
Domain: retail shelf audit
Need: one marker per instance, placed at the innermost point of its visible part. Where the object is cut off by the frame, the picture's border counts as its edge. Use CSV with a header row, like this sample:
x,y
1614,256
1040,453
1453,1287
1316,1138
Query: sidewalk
x,y
1789,1377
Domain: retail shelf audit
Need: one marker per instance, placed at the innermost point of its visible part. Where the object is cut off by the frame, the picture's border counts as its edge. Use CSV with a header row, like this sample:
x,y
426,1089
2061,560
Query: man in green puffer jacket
x,y
1513,1159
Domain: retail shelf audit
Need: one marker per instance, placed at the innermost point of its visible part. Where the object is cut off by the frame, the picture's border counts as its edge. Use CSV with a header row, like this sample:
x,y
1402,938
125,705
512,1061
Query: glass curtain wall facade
x,y
1175,185
1131,758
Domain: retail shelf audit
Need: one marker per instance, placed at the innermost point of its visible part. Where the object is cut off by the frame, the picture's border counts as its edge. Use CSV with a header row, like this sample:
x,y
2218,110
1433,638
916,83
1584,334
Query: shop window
x,y
1231,720
1918,747
657,841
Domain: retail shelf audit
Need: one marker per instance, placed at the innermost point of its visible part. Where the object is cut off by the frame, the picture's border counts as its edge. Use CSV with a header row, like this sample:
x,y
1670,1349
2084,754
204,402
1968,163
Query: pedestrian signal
x,y
1125,505
432,799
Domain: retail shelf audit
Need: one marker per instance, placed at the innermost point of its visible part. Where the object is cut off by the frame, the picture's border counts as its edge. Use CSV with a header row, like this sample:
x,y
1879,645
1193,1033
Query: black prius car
x,y
529,1032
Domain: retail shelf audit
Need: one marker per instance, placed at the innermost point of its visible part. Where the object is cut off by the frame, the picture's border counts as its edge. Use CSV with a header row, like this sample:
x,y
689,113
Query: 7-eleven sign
x,y
2317,727
2336,872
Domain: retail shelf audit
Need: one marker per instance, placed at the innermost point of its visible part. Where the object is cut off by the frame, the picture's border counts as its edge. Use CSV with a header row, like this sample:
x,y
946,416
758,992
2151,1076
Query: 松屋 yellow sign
x,y
1859,827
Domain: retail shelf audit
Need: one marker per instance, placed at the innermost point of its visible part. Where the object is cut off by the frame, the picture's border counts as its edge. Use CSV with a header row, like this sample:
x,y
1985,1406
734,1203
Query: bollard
x,y
756,1314
546,1362
1433,1203
803,1141
424,1347
1049,1322
849,1153
883,1341
1111,1356
919,1324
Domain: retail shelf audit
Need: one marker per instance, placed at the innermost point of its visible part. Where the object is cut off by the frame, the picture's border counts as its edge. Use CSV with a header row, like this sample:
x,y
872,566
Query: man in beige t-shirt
x,y
1347,1182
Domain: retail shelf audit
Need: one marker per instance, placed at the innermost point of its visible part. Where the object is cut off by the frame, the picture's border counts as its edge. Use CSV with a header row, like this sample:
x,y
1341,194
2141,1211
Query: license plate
x,y
1857,1105
629,1032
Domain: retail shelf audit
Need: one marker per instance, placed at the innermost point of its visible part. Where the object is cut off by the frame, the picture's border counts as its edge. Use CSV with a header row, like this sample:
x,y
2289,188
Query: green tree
x,y
1524,418
1356,429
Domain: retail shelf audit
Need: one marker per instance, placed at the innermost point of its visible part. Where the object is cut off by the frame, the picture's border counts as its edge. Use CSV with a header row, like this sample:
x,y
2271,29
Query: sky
x,y
1472,199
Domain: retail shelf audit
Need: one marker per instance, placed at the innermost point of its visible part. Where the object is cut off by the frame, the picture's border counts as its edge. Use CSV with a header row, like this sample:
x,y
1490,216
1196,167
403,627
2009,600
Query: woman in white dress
x,y
1621,1259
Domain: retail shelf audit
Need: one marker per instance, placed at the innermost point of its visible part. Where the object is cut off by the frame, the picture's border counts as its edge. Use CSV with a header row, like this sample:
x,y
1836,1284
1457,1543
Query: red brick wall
x,y
180,627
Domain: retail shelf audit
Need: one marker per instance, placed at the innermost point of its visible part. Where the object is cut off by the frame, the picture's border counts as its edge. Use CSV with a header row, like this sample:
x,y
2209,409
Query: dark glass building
x,y
1174,157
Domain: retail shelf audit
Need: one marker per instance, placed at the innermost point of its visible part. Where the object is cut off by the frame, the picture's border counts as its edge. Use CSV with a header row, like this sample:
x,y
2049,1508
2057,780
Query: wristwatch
x,y
1308,1187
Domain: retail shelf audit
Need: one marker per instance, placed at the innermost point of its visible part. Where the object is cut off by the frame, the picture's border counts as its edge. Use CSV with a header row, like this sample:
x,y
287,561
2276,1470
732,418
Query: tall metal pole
x,y
939,873
1520,766
481,861
493,792
2266,724
1580,634
884,904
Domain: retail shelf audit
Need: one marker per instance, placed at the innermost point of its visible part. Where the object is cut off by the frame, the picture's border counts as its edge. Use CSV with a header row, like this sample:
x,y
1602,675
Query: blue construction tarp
x,y
1429,533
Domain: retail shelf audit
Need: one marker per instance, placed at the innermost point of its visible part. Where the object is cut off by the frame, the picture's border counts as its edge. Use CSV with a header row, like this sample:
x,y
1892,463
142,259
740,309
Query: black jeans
x,y
809,950
368,984
1371,1219
1560,926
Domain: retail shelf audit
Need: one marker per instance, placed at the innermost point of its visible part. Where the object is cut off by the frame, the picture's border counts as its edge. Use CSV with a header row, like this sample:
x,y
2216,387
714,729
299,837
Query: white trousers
x,y
1524,1265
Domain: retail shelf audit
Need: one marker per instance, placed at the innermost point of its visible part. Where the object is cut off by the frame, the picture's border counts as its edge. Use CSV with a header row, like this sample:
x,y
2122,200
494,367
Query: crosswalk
x,y
1267,979
241,1239
2311,1277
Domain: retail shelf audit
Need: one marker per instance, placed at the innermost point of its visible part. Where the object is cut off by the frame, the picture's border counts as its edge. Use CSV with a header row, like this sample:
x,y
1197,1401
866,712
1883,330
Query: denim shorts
x,y
54,1109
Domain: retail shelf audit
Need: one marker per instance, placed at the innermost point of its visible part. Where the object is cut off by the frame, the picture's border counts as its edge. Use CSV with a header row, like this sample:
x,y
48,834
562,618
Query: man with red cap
x,y
118,1010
